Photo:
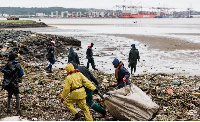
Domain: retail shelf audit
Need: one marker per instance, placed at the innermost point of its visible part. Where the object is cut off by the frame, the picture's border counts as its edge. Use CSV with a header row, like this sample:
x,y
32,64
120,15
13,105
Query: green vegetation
x,y
34,10
17,21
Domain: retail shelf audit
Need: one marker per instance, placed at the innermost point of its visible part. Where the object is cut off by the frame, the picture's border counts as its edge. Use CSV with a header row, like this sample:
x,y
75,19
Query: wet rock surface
x,y
32,46
40,92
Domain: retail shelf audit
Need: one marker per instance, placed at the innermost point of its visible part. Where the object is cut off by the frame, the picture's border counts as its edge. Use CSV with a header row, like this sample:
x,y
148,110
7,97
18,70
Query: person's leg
x,y
70,106
92,104
51,60
18,103
88,63
82,104
134,68
131,69
92,63
9,100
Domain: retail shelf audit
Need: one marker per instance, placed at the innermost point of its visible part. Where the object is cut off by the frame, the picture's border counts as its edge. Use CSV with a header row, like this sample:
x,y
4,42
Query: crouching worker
x,y
74,92
89,92
121,74
12,77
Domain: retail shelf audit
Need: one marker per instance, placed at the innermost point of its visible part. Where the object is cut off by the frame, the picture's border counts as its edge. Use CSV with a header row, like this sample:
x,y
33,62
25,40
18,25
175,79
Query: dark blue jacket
x,y
86,73
73,56
123,73
50,52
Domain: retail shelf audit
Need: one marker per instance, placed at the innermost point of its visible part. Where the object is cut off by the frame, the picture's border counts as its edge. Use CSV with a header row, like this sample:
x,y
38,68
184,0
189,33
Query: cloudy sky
x,y
104,4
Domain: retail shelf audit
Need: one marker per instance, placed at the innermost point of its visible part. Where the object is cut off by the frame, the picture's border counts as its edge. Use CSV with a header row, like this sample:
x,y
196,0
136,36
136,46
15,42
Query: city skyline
x,y
102,4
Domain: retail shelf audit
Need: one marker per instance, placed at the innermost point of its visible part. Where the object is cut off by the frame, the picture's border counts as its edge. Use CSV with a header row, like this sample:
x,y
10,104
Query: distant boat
x,y
139,15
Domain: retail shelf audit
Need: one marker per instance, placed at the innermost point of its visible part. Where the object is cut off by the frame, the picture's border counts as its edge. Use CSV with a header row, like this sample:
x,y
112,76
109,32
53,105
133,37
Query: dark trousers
x,y
91,60
52,61
92,104
10,93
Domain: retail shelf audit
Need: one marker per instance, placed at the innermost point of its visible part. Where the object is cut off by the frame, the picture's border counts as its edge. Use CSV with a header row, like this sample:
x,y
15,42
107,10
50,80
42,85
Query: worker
x,y
74,92
121,74
12,77
50,56
90,58
133,57
89,92
73,56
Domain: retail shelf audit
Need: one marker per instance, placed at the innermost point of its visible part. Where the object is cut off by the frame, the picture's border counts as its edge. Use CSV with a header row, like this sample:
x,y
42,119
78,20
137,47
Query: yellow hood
x,y
69,67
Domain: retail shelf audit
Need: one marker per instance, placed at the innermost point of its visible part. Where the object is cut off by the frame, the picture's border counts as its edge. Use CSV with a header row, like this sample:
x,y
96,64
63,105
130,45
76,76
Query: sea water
x,y
106,48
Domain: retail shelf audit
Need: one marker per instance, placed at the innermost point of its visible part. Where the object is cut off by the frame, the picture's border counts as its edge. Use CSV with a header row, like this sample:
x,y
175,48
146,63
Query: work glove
x,y
124,80
98,86
96,91
62,99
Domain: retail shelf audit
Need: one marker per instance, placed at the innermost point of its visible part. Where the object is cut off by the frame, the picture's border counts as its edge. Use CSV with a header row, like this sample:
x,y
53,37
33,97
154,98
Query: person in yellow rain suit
x,y
74,92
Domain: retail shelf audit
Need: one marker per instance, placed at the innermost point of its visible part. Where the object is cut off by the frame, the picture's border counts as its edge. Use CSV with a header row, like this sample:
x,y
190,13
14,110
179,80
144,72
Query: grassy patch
x,y
17,21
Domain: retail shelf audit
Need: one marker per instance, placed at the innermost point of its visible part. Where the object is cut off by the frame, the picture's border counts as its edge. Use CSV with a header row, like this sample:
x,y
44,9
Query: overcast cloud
x,y
104,4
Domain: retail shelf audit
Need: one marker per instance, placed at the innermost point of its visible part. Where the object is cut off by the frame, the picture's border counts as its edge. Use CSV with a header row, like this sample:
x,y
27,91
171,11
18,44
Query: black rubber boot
x,y
19,112
9,112
77,116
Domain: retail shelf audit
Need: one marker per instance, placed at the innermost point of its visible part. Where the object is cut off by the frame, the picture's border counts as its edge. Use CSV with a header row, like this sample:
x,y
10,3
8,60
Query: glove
x,y
95,91
62,99
124,80
98,86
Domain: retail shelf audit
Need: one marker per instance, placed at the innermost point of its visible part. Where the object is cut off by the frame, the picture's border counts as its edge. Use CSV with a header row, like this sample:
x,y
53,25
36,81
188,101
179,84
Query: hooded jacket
x,y
86,73
74,82
122,73
73,56
133,56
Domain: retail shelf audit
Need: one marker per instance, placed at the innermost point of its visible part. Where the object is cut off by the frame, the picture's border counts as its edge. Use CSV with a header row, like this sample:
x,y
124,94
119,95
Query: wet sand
x,y
162,43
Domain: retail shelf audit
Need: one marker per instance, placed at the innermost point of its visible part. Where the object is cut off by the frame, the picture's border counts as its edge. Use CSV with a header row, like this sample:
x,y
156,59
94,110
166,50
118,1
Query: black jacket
x,y
89,53
12,72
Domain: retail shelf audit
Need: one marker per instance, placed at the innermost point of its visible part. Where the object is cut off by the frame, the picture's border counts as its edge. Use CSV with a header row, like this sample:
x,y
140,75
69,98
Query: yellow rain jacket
x,y
73,82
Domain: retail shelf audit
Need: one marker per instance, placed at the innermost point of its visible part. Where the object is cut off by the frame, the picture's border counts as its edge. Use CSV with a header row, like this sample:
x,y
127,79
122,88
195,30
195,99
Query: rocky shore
x,y
177,96
22,25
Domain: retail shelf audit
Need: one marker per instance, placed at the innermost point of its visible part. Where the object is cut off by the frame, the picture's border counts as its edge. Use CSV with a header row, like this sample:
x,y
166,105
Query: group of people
x,y
78,87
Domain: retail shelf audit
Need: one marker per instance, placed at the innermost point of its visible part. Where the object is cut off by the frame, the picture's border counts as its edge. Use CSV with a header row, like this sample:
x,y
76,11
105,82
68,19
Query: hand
x,y
98,86
124,80
95,91
62,99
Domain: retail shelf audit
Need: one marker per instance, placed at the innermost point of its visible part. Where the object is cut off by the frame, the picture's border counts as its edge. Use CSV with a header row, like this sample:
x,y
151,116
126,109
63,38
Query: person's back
x,y
12,74
89,93
74,91
133,57
73,56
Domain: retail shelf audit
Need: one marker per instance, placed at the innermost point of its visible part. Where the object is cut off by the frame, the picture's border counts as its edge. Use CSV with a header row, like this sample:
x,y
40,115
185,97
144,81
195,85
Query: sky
x,y
102,4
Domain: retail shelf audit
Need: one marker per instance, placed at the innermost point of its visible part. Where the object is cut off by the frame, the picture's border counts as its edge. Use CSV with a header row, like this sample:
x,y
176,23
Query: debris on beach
x,y
40,92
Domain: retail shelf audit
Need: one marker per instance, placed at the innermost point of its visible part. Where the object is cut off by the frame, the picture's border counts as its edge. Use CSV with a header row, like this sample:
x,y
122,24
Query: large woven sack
x,y
130,104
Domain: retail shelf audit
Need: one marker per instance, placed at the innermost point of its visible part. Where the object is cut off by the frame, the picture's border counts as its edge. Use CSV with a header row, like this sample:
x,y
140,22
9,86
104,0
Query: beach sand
x,y
163,43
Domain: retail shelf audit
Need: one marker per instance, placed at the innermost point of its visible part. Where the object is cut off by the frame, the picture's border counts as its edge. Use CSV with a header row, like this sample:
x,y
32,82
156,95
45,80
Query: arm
x,y
87,83
92,77
66,89
52,52
126,72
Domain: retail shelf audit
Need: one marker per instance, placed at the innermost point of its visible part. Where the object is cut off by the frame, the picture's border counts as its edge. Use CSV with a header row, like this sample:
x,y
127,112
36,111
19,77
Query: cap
x,y
115,61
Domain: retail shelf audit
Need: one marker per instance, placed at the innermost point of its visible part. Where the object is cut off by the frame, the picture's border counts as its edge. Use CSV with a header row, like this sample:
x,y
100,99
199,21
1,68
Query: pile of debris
x,y
40,92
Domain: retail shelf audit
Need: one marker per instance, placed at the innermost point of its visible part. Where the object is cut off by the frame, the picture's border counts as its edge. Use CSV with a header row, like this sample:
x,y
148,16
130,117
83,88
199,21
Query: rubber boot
x,y
77,116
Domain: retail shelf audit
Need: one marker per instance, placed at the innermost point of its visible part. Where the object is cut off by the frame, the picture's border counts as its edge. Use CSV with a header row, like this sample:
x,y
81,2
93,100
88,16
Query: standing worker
x,y
73,56
121,74
89,92
12,77
90,58
133,57
74,92
50,56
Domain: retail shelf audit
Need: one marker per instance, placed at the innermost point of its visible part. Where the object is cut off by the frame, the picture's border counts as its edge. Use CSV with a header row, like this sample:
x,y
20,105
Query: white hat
x,y
53,42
